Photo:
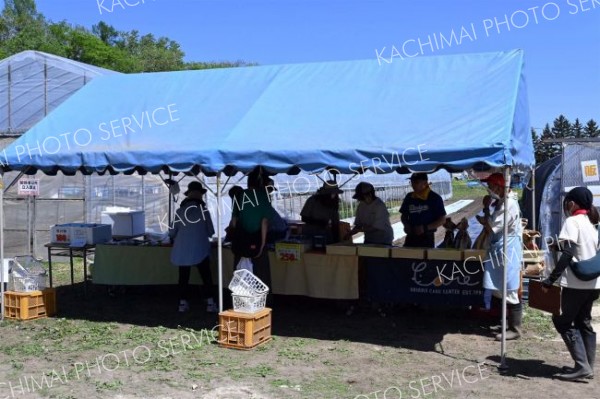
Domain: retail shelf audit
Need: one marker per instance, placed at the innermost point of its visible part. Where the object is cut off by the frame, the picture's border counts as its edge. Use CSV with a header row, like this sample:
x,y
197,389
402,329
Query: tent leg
x,y
503,366
2,245
533,221
219,242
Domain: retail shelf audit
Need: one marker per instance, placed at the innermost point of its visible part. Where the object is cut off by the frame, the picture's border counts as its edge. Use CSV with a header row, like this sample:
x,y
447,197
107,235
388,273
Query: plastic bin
x,y
249,303
246,283
30,305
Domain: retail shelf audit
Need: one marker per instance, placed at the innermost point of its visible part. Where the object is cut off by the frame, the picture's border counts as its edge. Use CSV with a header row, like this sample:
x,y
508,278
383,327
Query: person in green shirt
x,y
250,222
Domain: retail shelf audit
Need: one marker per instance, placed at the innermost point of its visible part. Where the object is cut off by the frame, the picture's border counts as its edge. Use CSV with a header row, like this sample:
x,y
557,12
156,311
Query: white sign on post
x,y
589,171
28,187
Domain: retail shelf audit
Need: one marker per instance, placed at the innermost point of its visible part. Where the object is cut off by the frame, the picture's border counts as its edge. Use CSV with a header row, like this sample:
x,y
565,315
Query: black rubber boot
x,y
589,341
515,317
577,350
497,306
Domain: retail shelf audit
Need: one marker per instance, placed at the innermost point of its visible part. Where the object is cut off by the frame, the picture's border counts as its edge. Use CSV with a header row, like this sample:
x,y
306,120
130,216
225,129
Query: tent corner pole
x,y
503,366
2,244
533,210
219,242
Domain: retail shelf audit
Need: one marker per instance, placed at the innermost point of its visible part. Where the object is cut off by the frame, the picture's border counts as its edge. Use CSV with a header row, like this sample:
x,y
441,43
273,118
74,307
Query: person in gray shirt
x,y
372,216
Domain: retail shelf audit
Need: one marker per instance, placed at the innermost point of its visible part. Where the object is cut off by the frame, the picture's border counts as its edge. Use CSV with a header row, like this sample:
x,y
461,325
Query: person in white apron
x,y
495,261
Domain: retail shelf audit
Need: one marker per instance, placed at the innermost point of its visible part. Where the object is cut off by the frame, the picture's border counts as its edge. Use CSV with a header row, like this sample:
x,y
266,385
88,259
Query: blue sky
x,y
561,38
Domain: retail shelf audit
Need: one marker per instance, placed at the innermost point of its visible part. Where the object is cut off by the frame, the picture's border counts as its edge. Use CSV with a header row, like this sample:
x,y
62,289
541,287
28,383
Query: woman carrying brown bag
x,y
578,241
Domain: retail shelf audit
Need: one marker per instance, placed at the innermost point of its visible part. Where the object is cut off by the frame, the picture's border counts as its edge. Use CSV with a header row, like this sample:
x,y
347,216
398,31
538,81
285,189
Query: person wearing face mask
x,y
495,260
372,216
578,240
321,213
422,212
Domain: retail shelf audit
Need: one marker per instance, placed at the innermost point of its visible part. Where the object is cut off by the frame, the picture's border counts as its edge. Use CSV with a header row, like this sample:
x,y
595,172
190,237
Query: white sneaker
x,y
184,306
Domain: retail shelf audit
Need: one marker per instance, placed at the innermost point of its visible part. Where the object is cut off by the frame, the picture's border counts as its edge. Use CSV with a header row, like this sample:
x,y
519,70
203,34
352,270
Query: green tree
x,y
577,129
561,128
591,129
22,28
545,151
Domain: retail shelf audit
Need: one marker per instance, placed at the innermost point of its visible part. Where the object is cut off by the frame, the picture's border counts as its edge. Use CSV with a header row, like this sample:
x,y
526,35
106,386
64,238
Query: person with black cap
x,y
578,241
422,212
372,216
320,213
191,231
496,259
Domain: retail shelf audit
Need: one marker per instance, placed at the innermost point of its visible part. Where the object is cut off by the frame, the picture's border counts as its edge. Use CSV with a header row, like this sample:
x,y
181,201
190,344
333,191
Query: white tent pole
x,y
533,221
29,225
33,224
2,244
503,365
219,242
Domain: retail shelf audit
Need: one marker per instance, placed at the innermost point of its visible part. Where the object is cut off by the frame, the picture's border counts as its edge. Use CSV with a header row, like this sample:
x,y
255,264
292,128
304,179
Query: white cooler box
x,y
79,232
125,223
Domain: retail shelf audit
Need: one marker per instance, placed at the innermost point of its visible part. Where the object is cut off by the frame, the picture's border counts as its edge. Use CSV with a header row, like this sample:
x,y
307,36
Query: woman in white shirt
x,y
578,241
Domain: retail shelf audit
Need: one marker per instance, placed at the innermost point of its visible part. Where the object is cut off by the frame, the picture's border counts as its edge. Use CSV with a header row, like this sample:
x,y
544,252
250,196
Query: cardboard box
x,y
409,253
125,223
71,233
341,249
444,254
374,251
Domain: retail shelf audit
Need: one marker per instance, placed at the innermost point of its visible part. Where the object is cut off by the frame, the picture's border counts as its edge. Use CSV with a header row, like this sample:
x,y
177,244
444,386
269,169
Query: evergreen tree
x,y
577,129
591,129
546,151
561,128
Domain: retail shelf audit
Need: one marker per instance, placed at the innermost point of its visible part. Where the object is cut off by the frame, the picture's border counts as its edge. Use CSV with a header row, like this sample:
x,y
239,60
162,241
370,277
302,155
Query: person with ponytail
x,y
578,241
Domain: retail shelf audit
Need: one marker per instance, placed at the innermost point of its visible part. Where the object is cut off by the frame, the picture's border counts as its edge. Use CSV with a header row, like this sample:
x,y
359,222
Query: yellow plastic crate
x,y
29,305
244,330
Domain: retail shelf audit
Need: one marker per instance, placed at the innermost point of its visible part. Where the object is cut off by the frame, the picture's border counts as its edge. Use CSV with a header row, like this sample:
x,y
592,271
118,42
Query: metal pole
x,y
219,242
45,87
533,221
143,193
114,194
34,222
170,200
2,244
503,365
29,225
9,107
85,199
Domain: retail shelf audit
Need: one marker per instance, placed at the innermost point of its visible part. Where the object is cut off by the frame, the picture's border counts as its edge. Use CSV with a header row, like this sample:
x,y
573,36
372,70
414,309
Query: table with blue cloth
x,y
435,282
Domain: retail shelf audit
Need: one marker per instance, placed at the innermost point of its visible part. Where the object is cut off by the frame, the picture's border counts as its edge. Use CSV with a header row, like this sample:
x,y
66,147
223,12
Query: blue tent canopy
x,y
425,113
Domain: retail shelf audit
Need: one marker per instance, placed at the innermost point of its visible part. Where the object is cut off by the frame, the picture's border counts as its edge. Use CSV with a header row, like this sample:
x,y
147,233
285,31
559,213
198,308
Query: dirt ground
x,y
134,344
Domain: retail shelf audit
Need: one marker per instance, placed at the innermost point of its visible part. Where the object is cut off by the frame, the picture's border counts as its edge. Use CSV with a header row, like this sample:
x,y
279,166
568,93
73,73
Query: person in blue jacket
x,y
190,232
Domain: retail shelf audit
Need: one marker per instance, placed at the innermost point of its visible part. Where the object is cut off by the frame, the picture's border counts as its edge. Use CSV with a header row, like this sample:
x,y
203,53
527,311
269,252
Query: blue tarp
x,y
455,112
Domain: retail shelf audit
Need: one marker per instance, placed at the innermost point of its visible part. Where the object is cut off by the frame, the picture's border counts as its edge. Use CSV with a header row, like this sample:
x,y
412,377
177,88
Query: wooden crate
x,y
547,302
374,251
444,254
30,305
409,253
341,249
244,330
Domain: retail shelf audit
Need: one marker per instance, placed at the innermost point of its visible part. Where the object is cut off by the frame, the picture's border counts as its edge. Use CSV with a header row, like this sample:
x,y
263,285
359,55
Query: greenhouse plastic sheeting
x,y
32,84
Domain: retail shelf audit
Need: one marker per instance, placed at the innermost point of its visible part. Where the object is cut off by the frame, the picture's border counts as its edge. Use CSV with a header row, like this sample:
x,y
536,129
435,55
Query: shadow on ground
x,y
402,326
